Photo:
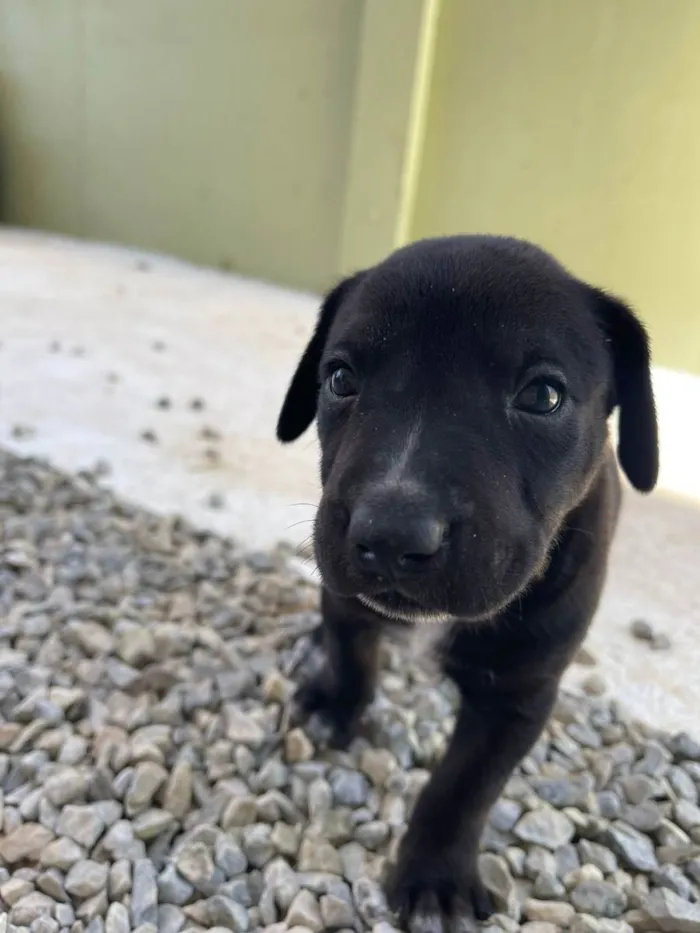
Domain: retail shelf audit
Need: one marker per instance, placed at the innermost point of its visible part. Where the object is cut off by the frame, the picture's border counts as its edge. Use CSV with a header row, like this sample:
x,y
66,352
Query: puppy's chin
x,y
405,614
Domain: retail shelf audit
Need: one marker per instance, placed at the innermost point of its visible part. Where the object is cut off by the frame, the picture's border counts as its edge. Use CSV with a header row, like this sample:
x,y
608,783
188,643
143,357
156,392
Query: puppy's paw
x,y
430,895
316,696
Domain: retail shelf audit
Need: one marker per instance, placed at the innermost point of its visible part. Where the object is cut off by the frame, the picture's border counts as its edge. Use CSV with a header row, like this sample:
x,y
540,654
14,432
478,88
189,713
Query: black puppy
x,y
462,389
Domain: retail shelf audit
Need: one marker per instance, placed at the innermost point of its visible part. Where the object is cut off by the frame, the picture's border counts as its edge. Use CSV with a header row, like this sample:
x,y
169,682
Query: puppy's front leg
x,y
435,885
344,684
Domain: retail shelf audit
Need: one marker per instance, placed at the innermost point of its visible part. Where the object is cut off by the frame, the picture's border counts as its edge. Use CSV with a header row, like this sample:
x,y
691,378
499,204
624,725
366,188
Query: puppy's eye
x,y
540,397
342,382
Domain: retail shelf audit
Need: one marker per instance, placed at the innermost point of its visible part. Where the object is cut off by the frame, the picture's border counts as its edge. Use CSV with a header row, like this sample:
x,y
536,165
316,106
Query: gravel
x,y
145,785
642,630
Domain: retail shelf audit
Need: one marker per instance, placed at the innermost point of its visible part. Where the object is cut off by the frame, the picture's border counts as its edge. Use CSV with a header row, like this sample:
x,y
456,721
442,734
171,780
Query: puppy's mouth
x,y
400,608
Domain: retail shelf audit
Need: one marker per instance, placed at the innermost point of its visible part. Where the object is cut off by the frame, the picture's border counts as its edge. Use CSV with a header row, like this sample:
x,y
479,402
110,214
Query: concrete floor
x,y
234,344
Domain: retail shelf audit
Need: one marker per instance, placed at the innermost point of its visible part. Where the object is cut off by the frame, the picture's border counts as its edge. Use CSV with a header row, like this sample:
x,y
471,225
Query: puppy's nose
x,y
395,544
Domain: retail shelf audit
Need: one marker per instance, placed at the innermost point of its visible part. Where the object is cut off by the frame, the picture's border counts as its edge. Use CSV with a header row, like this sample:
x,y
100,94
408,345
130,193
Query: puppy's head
x,y
462,389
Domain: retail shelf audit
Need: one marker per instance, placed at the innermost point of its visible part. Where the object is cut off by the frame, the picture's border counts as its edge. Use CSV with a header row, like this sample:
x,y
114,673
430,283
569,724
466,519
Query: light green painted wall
x,y
294,140
390,105
217,130
576,124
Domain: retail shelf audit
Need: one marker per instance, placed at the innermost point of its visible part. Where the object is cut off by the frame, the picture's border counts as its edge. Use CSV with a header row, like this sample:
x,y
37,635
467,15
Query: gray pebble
x,y
119,879
497,878
671,877
336,912
285,839
372,834
370,901
267,906
229,856
51,882
561,792
557,913
173,888
64,914
646,817
548,887
609,804
320,798
687,814
350,788
45,924
170,919
86,878
30,907
241,727
62,854
196,865
227,913
505,814
144,893
257,844
634,848
598,898
654,762
672,913
273,775
117,919
642,629
592,853
538,861
594,684
682,746
148,777
82,824
304,911
317,855
566,860
298,747
692,867
545,827
353,858
638,788
682,784
241,811
65,786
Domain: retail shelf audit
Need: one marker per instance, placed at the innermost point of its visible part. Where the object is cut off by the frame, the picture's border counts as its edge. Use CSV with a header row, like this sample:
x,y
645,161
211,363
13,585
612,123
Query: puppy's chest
x,y
423,643
436,650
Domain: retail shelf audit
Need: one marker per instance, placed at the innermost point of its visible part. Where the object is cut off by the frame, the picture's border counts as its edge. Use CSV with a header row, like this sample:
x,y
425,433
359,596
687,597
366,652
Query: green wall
x,y
294,140
576,124
217,130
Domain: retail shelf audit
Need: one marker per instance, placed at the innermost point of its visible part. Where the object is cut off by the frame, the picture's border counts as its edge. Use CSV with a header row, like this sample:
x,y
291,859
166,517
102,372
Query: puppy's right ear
x,y
638,442
299,406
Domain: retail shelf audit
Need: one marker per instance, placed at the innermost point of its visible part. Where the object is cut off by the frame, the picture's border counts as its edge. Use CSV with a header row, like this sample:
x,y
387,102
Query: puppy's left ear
x,y
299,406
638,444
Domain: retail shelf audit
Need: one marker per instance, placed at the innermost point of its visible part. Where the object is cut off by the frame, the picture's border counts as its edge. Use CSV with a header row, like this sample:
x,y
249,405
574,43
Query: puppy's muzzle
x,y
394,535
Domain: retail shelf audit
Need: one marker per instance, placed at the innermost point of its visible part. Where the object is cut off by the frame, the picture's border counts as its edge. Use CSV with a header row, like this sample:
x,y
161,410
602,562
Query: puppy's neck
x,y
424,643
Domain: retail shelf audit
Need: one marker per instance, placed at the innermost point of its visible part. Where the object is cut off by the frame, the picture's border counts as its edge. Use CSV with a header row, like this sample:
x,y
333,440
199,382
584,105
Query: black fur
x,y
443,497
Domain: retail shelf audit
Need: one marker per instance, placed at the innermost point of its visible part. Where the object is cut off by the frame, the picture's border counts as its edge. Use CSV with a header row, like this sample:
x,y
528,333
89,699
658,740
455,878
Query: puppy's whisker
x,y
303,521
303,548
582,531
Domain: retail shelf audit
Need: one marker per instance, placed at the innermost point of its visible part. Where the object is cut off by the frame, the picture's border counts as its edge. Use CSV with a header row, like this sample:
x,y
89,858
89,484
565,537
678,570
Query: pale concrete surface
x,y
234,344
